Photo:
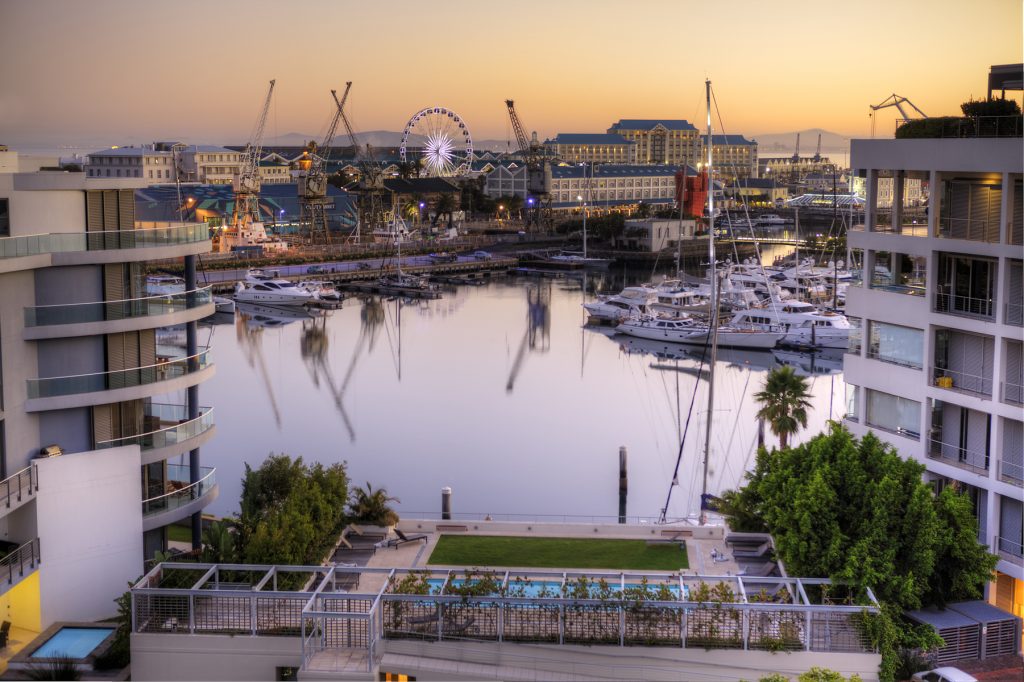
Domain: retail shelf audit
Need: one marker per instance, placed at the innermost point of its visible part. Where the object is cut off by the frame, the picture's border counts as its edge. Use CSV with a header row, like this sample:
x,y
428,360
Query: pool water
x,y
73,642
553,588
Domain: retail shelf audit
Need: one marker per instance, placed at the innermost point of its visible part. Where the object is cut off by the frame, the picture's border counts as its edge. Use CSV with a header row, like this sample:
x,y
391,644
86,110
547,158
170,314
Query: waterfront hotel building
x,y
100,424
938,370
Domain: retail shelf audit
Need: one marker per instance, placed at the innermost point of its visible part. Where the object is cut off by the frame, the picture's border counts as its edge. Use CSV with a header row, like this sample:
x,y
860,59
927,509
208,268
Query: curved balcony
x,y
176,434
111,317
182,499
109,246
61,393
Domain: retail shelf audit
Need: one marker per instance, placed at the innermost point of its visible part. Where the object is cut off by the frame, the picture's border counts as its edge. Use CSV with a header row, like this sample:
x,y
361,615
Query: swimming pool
x,y
553,589
76,642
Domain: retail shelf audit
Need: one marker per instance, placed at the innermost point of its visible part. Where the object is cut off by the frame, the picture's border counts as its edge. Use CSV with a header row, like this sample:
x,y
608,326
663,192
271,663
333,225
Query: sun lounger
x,y
403,538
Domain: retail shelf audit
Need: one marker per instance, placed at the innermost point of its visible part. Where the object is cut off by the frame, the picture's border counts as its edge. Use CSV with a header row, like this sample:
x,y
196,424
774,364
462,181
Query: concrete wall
x,y
89,518
68,357
18,360
20,604
480,660
81,284
70,429
212,657
41,212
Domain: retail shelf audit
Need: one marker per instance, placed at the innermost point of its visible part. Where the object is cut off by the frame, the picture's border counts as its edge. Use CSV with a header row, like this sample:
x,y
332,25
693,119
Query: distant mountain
x,y
781,144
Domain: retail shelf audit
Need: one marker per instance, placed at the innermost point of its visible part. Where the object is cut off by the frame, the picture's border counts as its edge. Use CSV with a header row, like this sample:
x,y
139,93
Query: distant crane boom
x,y
897,101
247,182
817,150
538,178
313,183
371,184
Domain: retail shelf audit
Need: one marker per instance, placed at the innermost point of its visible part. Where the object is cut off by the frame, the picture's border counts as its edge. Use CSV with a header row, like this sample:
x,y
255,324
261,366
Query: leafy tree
x,y
990,107
784,402
219,543
371,506
444,206
857,512
643,210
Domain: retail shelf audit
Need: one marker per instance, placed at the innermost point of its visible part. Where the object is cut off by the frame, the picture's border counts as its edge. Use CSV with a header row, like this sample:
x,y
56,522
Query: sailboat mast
x,y
713,319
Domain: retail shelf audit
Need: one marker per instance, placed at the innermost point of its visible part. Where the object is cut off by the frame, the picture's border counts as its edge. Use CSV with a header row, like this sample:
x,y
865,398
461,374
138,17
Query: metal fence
x,y
19,485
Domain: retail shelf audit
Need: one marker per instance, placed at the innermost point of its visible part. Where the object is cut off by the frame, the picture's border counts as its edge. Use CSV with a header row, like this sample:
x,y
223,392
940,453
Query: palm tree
x,y
784,402
371,506
218,543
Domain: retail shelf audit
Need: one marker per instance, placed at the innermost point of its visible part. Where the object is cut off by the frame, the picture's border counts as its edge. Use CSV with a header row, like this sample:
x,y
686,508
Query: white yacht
x,y
802,324
250,234
322,289
272,291
679,304
631,301
168,285
403,280
690,332
771,220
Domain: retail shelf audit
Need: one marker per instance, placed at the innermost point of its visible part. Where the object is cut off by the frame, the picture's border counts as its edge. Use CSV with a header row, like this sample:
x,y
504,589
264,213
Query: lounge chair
x,y
403,538
5,633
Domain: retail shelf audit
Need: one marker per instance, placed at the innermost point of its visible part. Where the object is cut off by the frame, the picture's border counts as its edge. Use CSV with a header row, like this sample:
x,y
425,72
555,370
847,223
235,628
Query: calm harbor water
x,y
500,392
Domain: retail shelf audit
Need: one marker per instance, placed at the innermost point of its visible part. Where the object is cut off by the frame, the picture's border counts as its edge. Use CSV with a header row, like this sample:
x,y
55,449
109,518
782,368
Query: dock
x,y
386,290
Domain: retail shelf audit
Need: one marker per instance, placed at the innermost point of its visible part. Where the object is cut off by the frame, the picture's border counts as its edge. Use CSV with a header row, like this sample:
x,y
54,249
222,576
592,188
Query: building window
x,y
897,345
852,403
894,414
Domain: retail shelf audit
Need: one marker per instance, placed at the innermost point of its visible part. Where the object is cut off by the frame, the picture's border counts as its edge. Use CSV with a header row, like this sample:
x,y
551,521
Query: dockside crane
x,y
897,101
312,183
538,171
370,187
247,181
796,153
817,151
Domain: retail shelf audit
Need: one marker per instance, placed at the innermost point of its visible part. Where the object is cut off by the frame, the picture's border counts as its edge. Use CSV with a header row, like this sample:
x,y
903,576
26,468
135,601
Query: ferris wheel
x,y
447,146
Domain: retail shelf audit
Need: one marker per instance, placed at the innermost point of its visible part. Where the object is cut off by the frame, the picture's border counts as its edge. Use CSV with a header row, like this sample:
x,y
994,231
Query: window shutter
x,y
1017,221
959,208
115,360
126,209
113,288
1013,447
93,211
102,423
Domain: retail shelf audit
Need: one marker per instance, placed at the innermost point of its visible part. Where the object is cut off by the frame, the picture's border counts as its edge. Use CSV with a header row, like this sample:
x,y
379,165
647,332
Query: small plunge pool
x,y
76,642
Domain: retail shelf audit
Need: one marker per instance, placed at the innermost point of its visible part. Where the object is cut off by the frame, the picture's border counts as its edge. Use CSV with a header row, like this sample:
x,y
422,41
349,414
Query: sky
x,y
128,71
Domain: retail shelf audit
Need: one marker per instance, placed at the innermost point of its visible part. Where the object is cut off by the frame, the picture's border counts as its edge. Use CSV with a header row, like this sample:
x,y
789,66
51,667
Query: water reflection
x,y
427,387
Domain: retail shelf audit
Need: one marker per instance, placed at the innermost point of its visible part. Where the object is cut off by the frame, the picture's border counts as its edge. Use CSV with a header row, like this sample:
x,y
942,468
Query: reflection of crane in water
x,y
538,328
251,340
314,354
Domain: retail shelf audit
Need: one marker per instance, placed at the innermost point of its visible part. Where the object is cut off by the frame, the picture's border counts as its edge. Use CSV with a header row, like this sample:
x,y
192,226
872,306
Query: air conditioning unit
x,y
50,451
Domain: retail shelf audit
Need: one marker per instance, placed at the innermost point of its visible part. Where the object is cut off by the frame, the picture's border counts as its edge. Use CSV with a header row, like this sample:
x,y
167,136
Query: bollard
x,y
623,484
446,503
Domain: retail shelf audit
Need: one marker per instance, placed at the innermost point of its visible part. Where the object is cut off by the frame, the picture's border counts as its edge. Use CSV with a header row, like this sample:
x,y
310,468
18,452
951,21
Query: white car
x,y
482,255
943,675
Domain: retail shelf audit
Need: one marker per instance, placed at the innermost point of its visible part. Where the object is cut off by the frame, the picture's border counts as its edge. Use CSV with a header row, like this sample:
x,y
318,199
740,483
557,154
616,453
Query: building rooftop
x,y
651,123
588,138
130,151
731,140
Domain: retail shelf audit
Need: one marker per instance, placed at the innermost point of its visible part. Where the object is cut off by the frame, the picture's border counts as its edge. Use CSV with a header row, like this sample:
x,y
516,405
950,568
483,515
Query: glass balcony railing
x,y
122,378
35,244
180,491
963,458
102,311
178,429
1012,392
971,229
1010,472
1014,314
1011,550
962,382
965,305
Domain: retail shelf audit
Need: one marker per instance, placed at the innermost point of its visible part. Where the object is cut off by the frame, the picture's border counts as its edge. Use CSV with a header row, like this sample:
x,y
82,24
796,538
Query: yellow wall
x,y
20,604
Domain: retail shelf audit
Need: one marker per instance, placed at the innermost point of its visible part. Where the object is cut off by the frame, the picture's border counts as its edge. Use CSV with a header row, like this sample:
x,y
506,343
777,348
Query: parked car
x,y
316,269
482,255
946,674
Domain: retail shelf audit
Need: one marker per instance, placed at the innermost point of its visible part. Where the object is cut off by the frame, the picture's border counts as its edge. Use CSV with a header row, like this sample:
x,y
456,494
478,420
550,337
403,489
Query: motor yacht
x,y
272,291
802,324
628,302
322,289
169,285
688,331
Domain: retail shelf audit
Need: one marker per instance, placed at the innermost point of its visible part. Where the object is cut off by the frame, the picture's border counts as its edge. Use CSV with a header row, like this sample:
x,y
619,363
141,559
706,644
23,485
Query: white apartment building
x,y
211,165
83,380
164,162
938,373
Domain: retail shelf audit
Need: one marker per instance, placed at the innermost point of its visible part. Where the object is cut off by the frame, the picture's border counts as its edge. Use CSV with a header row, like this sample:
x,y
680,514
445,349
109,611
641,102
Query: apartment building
x,y
163,162
664,141
938,371
591,148
100,424
734,156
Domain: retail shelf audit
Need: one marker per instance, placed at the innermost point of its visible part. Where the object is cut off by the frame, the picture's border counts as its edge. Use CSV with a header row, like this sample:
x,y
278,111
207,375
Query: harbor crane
x,y
538,171
313,201
371,178
537,334
247,181
897,101
796,153
817,151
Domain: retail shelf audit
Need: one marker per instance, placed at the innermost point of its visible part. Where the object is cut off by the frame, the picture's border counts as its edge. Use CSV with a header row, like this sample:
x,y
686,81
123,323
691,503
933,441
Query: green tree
x,y
784,402
857,512
219,543
444,206
371,506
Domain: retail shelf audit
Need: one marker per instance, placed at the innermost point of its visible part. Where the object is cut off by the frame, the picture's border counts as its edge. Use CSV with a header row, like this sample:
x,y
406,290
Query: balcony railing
x,y
101,311
20,562
177,433
975,230
964,305
963,458
122,378
1010,472
183,495
35,244
1012,393
19,485
875,354
962,381
1011,550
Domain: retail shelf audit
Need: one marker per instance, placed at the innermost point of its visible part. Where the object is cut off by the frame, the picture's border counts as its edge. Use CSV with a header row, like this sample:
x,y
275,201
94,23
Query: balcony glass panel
x,y
958,456
1011,527
894,414
913,220
177,431
35,244
900,273
105,381
1011,461
856,335
966,286
1013,375
1014,313
852,406
77,313
180,491
963,362
897,345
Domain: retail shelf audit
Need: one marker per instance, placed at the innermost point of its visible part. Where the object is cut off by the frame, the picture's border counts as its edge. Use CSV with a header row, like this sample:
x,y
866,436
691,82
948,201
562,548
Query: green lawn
x,y
493,551
177,533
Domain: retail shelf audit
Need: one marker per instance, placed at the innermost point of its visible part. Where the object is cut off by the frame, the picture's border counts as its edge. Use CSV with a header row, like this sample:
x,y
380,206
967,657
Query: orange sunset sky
x,y
122,71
